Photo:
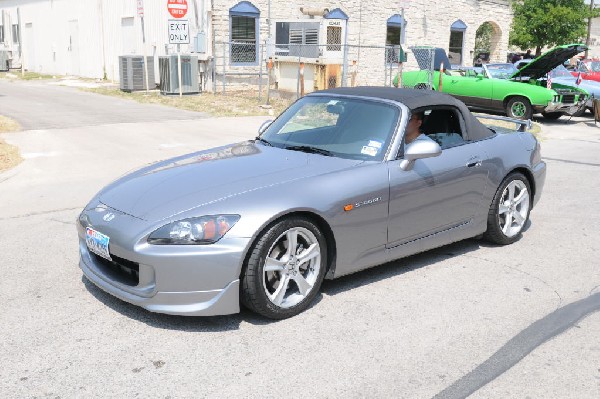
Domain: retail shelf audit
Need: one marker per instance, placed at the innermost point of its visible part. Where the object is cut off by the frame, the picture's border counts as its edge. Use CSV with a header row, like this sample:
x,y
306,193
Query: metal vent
x,y
131,69
169,74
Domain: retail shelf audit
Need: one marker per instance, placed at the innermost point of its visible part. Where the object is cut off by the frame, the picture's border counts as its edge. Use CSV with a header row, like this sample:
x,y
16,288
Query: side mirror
x,y
418,150
480,76
264,126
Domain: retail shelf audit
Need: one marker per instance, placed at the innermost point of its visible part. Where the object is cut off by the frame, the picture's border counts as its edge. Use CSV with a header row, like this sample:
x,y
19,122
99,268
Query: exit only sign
x,y
179,31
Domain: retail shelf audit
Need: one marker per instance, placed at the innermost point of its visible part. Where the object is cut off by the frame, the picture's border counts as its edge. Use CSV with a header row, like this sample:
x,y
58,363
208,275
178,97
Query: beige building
x,y
86,37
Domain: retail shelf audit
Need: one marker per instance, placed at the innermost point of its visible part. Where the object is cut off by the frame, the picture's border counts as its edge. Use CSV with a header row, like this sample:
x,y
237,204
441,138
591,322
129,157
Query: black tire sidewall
x,y
494,233
253,294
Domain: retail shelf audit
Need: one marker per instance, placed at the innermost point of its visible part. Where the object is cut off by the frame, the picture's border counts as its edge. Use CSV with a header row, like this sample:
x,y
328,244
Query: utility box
x,y
169,74
131,69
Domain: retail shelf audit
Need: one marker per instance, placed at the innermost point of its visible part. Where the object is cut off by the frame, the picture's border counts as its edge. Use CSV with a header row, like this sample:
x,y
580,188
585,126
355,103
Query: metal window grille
x,y
311,36
304,39
334,38
392,44
243,37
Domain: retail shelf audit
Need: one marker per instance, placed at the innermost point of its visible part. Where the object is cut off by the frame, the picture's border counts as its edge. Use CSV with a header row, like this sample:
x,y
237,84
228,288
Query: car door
x,y
475,91
439,194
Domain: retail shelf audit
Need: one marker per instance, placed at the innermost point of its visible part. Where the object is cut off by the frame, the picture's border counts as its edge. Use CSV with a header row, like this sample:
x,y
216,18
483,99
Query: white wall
x,y
85,37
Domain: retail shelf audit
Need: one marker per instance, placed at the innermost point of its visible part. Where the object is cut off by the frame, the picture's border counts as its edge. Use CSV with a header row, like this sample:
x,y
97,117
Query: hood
x,y
180,184
546,62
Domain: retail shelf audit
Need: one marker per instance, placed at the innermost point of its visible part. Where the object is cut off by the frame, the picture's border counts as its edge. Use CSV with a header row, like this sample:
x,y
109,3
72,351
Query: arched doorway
x,y
487,38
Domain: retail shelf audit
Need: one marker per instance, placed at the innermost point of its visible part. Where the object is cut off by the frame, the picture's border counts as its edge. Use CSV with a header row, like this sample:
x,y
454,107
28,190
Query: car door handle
x,y
474,163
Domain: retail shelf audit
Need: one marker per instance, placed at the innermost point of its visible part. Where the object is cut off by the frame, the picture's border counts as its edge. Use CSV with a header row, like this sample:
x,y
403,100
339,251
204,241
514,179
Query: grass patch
x,y
9,155
27,76
234,103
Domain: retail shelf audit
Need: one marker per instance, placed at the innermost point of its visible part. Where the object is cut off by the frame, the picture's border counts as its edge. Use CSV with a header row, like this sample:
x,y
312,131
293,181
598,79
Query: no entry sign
x,y
177,8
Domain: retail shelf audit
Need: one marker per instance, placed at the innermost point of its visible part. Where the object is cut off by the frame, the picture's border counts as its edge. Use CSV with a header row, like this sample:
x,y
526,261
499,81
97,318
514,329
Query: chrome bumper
x,y
569,109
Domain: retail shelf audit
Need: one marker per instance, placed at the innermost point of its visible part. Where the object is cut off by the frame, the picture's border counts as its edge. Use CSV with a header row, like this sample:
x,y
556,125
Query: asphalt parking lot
x,y
466,319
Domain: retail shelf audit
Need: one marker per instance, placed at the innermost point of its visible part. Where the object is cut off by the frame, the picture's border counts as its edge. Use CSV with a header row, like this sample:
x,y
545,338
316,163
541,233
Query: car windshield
x,y
593,66
560,72
341,127
501,71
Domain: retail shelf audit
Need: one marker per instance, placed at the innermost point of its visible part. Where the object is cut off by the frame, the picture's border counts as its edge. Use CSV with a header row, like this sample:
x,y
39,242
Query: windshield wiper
x,y
309,149
258,138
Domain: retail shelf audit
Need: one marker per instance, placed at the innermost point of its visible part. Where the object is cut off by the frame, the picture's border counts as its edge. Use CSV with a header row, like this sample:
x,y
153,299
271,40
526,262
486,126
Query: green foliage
x,y
483,37
541,23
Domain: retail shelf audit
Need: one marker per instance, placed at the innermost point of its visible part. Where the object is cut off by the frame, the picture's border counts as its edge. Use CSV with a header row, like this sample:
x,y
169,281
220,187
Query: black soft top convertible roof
x,y
417,99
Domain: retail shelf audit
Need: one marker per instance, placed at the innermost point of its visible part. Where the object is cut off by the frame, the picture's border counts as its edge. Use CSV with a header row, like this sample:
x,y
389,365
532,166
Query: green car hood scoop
x,y
539,67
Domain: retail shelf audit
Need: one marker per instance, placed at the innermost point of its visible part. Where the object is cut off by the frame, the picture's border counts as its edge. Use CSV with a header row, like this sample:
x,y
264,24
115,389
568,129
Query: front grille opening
x,y
121,270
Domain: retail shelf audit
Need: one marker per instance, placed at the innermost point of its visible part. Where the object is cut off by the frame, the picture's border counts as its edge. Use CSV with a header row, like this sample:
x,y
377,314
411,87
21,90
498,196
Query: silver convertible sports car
x,y
329,188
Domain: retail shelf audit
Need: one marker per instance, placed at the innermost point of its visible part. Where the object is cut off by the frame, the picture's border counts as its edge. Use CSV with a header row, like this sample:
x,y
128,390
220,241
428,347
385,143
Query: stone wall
x,y
428,24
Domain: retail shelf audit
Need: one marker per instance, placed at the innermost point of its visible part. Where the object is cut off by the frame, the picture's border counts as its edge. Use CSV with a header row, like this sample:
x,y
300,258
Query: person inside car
x,y
413,132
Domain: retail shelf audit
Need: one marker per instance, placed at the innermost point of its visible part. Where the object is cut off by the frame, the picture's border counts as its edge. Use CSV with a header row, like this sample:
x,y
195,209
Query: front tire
x,y
285,269
509,210
552,116
519,108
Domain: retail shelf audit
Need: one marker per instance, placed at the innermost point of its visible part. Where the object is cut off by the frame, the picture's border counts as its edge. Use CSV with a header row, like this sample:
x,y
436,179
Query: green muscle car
x,y
504,88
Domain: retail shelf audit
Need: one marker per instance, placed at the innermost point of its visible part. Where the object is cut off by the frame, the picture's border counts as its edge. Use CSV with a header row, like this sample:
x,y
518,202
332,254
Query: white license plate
x,y
97,242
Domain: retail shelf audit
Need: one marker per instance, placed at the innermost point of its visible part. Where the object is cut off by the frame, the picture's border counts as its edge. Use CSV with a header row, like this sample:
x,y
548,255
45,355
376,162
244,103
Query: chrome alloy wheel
x,y
514,208
518,109
291,267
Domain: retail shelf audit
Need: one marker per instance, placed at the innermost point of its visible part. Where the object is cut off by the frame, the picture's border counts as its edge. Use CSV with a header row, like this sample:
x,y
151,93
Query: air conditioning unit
x,y
5,60
131,68
169,74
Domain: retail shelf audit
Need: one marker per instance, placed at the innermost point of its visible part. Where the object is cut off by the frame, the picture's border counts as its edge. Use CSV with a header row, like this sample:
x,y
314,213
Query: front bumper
x,y
565,108
190,280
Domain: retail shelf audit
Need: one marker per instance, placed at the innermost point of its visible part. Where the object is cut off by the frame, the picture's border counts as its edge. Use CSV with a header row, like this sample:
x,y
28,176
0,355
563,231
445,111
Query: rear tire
x,y
519,108
509,211
285,269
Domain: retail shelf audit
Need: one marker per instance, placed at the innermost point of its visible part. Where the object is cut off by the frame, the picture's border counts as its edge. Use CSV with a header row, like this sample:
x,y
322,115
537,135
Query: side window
x,y
1,33
394,37
15,34
457,41
444,127
243,23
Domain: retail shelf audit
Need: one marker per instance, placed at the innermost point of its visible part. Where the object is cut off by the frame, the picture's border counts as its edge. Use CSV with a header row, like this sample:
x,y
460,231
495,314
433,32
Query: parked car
x,y
561,78
589,69
327,189
503,88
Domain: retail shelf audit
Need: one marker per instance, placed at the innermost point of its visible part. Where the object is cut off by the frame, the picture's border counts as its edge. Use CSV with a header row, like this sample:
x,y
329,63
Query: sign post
x,y
179,31
140,12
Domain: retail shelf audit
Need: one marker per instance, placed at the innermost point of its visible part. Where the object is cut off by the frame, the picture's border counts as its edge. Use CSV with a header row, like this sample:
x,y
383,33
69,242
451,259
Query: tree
x,y
483,37
541,23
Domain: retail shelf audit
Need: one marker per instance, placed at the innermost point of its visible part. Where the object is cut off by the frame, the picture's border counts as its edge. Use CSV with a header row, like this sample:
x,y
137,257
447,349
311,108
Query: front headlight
x,y
194,231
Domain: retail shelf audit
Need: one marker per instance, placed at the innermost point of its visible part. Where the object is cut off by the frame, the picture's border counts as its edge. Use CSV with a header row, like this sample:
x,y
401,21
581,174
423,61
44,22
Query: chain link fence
x,y
425,59
302,66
